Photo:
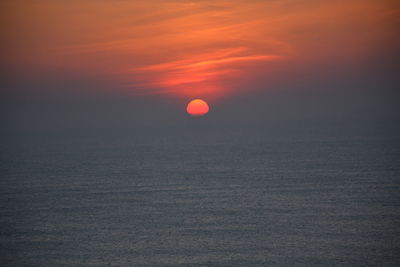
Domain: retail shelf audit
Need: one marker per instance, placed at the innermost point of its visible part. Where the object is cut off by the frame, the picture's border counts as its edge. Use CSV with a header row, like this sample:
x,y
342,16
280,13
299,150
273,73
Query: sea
x,y
199,194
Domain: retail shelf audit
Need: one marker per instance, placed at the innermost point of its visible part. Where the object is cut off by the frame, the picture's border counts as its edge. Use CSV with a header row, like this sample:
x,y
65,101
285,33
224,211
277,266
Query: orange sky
x,y
191,48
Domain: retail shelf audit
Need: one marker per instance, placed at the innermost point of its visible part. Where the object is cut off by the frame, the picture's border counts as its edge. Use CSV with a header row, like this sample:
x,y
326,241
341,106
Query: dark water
x,y
200,196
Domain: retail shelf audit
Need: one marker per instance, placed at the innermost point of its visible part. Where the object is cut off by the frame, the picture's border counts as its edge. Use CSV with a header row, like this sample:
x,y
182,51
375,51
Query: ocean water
x,y
202,196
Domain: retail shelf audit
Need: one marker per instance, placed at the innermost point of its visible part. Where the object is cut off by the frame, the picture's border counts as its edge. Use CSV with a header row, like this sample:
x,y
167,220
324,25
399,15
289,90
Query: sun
x,y
197,107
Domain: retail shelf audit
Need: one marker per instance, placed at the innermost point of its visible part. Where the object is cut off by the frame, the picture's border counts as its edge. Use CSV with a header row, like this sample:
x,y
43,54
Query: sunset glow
x,y
200,132
192,48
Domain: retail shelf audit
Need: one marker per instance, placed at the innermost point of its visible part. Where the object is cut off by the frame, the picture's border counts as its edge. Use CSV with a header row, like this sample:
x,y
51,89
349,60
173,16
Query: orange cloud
x,y
191,48
197,70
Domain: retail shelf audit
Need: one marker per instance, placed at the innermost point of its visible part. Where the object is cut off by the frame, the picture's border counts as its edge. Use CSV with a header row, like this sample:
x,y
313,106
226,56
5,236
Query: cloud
x,y
180,47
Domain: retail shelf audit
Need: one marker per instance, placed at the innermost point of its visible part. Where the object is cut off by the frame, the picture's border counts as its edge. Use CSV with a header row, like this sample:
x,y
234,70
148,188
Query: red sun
x,y
197,107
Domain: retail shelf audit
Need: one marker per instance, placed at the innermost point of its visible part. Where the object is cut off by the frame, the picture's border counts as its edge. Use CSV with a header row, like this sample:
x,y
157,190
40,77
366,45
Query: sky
x,y
250,58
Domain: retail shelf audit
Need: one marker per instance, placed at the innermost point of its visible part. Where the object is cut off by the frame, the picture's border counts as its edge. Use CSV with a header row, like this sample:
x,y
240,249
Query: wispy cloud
x,y
200,70
192,47
181,65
